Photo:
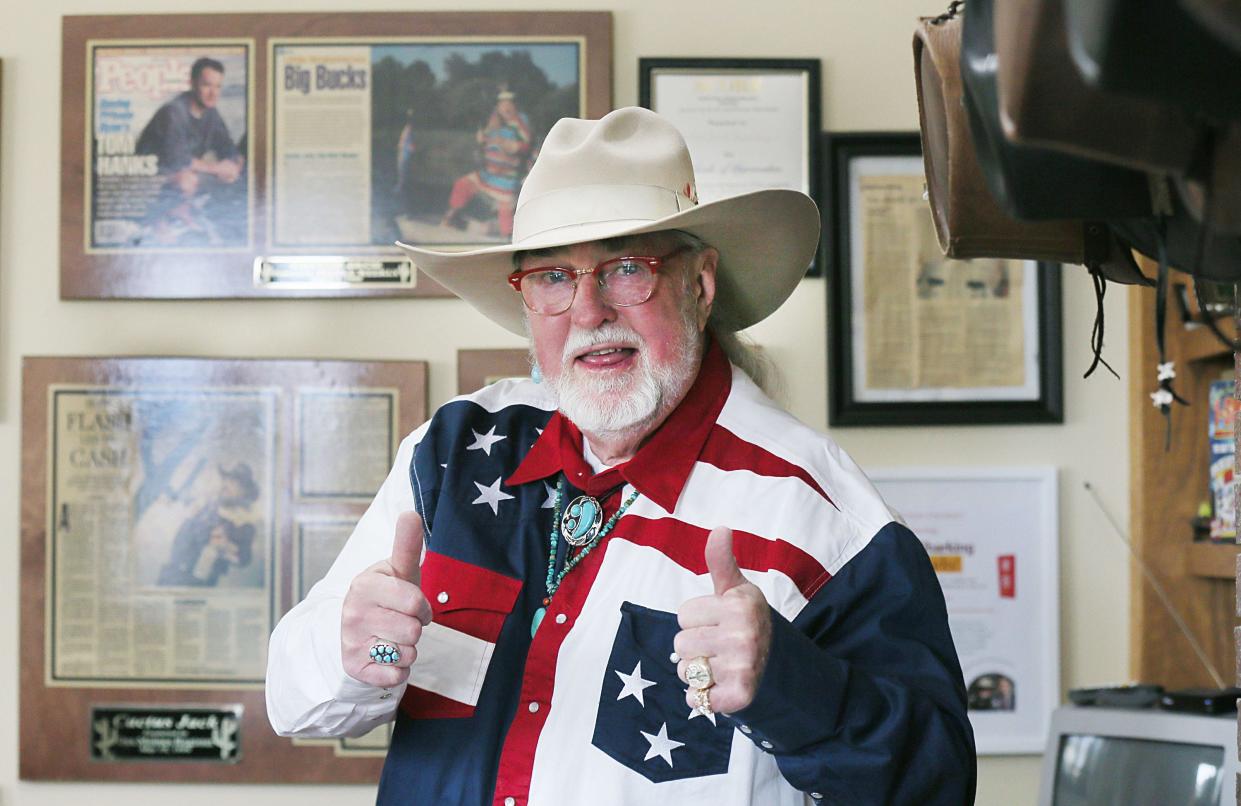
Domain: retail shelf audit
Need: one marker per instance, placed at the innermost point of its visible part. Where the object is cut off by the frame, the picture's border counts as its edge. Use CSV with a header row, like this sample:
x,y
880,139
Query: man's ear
x,y
702,286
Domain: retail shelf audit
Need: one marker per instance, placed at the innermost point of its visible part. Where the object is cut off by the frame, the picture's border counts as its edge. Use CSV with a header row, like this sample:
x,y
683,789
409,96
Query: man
x,y
754,628
191,142
505,142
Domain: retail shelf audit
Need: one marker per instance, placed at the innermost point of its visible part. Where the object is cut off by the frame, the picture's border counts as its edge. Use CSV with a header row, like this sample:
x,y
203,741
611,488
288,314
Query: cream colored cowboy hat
x,y
630,173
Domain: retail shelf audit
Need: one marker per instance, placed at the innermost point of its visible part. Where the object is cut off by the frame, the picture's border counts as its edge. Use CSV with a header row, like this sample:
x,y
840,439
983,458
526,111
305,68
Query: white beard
x,y
620,403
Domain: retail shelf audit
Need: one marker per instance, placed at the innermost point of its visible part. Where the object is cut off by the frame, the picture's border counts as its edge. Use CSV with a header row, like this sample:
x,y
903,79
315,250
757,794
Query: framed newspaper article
x,y
285,154
993,537
916,338
173,510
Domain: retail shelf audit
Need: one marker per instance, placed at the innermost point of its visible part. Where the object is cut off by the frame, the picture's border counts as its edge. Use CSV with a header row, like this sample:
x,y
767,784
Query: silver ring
x,y
385,653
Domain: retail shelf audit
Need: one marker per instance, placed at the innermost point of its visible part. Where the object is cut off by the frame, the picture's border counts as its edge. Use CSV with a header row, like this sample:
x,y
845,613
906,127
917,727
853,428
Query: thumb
x,y
407,547
721,562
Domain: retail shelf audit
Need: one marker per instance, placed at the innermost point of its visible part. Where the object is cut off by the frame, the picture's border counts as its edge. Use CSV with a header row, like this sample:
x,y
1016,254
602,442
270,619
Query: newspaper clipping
x,y
168,163
935,328
425,142
162,538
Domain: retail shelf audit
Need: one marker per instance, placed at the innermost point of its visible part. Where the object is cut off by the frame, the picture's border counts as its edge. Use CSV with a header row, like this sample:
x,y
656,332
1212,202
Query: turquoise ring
x,y
385,653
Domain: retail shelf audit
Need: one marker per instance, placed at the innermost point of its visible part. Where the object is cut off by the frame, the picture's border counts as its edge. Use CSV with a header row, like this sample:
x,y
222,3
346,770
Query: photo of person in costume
x,y
455,128
210,544
633,577
504,146
197,160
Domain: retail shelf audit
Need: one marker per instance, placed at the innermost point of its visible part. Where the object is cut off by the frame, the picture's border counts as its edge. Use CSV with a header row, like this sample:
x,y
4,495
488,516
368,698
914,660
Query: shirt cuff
x,y
798,700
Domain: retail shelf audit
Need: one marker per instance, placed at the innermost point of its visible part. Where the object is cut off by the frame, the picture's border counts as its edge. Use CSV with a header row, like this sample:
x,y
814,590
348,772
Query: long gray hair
x,y
741,350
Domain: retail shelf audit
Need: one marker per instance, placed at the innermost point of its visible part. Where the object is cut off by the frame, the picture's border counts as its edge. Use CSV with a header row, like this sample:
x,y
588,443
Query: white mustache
x,y
579,340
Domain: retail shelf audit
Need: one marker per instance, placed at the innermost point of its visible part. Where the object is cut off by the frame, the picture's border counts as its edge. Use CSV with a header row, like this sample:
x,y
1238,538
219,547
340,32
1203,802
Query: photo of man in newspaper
x,y
169,161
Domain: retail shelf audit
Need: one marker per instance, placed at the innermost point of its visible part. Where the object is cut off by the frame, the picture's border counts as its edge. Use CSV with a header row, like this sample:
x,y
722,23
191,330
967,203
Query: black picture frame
x,y
849,405
649,67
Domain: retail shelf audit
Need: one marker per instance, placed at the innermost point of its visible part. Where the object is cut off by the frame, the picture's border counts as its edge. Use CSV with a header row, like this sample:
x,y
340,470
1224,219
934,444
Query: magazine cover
x,y
1222,419
169,159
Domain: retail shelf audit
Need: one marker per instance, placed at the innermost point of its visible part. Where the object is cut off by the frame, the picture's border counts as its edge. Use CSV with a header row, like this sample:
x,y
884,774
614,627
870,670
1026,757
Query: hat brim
x,y
766,240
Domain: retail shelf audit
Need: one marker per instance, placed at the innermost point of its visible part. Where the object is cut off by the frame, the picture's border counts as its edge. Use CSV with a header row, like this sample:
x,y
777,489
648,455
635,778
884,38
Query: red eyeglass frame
x,y
654,263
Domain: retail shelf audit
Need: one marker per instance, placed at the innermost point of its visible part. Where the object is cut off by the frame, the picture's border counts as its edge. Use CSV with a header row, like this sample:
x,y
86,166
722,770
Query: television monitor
x,y
1139,757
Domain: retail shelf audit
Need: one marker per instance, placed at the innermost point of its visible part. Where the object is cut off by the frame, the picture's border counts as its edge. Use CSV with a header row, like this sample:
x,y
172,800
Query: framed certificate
x,y
285,154
174,510
915,338
750,123
993,537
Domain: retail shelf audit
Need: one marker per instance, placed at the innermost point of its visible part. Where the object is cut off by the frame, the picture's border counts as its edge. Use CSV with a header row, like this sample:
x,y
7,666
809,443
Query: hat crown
x,y
630,165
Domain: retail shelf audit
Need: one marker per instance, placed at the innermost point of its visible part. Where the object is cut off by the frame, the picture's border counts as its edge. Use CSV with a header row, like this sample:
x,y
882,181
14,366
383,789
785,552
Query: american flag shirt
x,y
861,700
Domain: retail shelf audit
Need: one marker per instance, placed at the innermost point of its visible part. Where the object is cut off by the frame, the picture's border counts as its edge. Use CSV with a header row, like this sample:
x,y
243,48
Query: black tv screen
x,y
1112,771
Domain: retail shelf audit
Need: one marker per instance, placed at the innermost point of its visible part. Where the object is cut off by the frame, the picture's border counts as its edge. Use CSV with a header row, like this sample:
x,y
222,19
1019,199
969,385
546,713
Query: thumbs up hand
x,y
731,629
385,605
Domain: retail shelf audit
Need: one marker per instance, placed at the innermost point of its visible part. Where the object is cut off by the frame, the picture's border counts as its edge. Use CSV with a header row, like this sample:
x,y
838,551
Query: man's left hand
x,y
731,629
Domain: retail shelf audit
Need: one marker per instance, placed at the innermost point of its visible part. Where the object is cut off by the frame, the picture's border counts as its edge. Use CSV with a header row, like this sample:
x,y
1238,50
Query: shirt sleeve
x,y
862,699
308,692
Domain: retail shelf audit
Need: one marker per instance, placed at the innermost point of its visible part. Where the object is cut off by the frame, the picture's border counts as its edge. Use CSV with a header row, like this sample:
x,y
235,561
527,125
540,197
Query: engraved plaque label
x,y
166,734
314,272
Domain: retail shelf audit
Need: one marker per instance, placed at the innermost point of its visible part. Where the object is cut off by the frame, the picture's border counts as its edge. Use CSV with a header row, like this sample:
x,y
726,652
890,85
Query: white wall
x,y
867,84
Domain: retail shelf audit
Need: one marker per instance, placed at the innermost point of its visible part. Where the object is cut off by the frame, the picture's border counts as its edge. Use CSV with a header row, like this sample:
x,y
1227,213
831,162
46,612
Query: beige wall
x,y
867,84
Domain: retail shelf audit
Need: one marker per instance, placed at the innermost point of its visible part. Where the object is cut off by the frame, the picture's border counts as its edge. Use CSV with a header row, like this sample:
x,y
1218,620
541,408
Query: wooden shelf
x,y
1167,486
1200,344
1214,560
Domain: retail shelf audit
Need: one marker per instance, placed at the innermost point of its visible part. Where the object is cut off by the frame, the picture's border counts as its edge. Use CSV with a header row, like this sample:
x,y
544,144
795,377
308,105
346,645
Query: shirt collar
x,y
662,464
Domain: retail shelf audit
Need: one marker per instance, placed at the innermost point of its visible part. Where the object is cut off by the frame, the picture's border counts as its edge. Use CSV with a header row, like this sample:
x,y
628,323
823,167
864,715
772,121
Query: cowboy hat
x,y
629,173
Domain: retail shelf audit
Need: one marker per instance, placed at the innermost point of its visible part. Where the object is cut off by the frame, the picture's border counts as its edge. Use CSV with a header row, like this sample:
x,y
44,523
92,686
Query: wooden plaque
x,y
172,510
283,155
478,368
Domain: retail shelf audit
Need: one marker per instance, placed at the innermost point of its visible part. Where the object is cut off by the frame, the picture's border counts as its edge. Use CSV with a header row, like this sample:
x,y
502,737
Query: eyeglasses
x,y
623,281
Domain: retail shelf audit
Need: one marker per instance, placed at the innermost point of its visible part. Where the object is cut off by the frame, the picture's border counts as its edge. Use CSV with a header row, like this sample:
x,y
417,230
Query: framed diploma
x,y
750,124
915,338
992,536
173,510
278,155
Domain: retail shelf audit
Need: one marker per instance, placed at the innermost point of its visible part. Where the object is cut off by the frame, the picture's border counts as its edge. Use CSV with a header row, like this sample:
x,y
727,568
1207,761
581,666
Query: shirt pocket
x,y
643,721
469,605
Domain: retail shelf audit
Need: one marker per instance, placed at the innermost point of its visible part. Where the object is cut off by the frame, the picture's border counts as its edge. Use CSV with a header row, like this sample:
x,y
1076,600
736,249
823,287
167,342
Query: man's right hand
x,y
385,604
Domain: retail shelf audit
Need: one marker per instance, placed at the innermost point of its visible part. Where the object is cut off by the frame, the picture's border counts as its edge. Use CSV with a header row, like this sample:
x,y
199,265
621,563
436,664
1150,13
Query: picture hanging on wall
x,y
915,338
285,154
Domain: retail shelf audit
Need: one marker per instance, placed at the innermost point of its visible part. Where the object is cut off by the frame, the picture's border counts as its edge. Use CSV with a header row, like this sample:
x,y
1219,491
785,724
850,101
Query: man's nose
x,y
590,309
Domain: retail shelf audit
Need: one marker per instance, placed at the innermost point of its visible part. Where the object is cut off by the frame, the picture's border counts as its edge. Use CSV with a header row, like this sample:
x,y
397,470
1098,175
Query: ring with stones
x,y
385,653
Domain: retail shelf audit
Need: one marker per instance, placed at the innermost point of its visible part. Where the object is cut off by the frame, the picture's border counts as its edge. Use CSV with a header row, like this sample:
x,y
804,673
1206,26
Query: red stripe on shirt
x,y
727,451
684,545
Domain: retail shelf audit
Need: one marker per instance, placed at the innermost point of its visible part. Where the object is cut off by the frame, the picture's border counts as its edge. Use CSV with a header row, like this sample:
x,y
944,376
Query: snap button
x,y
534,707
387,695
746,730
510,802
561,618
674,657
766,745
442,598
816,795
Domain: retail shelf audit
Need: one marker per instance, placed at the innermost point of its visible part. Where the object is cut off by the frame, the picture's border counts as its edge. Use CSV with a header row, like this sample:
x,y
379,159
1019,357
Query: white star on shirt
x,y
551,496
491,494
483,442
634,685
661,745
693,712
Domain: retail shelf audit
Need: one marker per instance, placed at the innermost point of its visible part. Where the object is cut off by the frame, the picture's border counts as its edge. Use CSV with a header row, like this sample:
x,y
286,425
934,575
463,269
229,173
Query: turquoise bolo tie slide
x,y
581,520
